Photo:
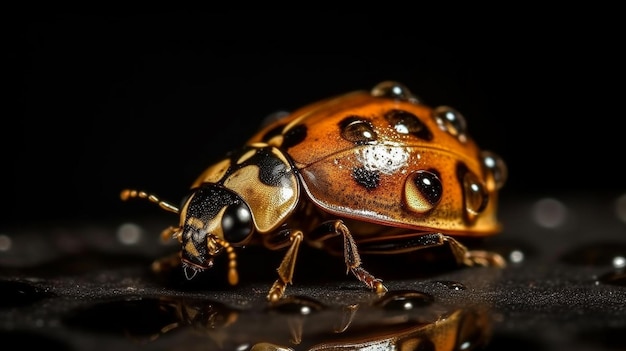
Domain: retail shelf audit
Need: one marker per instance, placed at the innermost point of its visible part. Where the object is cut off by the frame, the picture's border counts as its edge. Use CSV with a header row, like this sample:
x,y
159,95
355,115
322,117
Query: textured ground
x,y
88,286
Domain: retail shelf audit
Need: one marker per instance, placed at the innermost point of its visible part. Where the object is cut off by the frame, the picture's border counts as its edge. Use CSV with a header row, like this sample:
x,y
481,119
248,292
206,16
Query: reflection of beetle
x,y
379,169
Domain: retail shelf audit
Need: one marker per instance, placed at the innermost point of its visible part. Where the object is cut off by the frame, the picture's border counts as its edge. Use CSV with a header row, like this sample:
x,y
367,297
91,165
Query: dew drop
x,y
394,90
422,191
475,194
452,121
357,130
495,167
298,305
405,300
452,285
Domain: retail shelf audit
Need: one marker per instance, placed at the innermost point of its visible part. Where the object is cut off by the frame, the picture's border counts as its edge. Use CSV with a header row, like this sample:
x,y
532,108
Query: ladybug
x,y
379,170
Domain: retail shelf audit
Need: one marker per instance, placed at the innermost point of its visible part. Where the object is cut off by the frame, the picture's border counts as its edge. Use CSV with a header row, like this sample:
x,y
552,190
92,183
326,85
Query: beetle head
x,y
213,218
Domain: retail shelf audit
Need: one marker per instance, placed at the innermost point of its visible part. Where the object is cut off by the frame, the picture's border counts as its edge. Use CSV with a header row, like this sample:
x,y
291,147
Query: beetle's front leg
x,y
166,263
170,261
350,252
286,268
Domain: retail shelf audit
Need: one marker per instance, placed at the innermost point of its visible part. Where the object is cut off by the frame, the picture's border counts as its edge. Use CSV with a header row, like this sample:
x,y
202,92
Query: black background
x,y
100,102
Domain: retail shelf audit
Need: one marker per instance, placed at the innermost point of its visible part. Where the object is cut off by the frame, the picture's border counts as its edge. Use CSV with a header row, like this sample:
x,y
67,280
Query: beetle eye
x,y
237,222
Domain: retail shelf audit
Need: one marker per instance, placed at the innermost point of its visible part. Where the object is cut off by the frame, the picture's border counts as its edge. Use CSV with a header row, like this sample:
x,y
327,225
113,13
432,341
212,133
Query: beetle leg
x,y
166,263
485,258
418,241
350,252
286,268
468,257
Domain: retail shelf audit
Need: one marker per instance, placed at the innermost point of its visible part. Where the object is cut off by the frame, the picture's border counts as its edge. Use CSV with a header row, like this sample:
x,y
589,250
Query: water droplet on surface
x,y
405,300
549,213
452,285
452,121
475,195
298,305
495,168
394,90
422,191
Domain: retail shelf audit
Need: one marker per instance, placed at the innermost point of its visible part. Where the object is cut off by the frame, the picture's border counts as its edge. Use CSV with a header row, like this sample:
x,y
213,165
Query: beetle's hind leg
x,y
351,255
418,241
475,257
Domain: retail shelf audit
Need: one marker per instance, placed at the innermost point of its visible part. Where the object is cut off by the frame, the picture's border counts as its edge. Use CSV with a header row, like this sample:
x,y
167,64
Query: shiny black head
x,y
212,219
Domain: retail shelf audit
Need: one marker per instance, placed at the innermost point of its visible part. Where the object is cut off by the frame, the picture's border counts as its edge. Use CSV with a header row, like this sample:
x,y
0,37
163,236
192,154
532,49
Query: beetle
x,y
379,170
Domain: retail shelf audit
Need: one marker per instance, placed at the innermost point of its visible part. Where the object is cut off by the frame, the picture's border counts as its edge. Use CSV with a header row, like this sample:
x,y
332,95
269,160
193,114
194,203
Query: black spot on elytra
x,y
366,178
292,137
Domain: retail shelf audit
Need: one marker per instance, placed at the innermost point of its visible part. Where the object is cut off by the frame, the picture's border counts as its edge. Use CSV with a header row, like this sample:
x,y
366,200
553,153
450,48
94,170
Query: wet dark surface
x,y
79,287
101,102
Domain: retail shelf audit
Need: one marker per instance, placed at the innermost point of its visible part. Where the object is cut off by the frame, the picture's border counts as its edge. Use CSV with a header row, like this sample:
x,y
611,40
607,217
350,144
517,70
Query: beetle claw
x,y
379,287
276,291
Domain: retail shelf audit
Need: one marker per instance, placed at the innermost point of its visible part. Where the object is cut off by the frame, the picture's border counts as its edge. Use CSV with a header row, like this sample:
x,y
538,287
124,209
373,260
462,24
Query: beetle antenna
x,y
132,193
233,277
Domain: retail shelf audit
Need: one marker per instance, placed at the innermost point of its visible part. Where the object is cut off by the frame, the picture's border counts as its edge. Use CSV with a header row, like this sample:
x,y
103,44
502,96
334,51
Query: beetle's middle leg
x,y
351,255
